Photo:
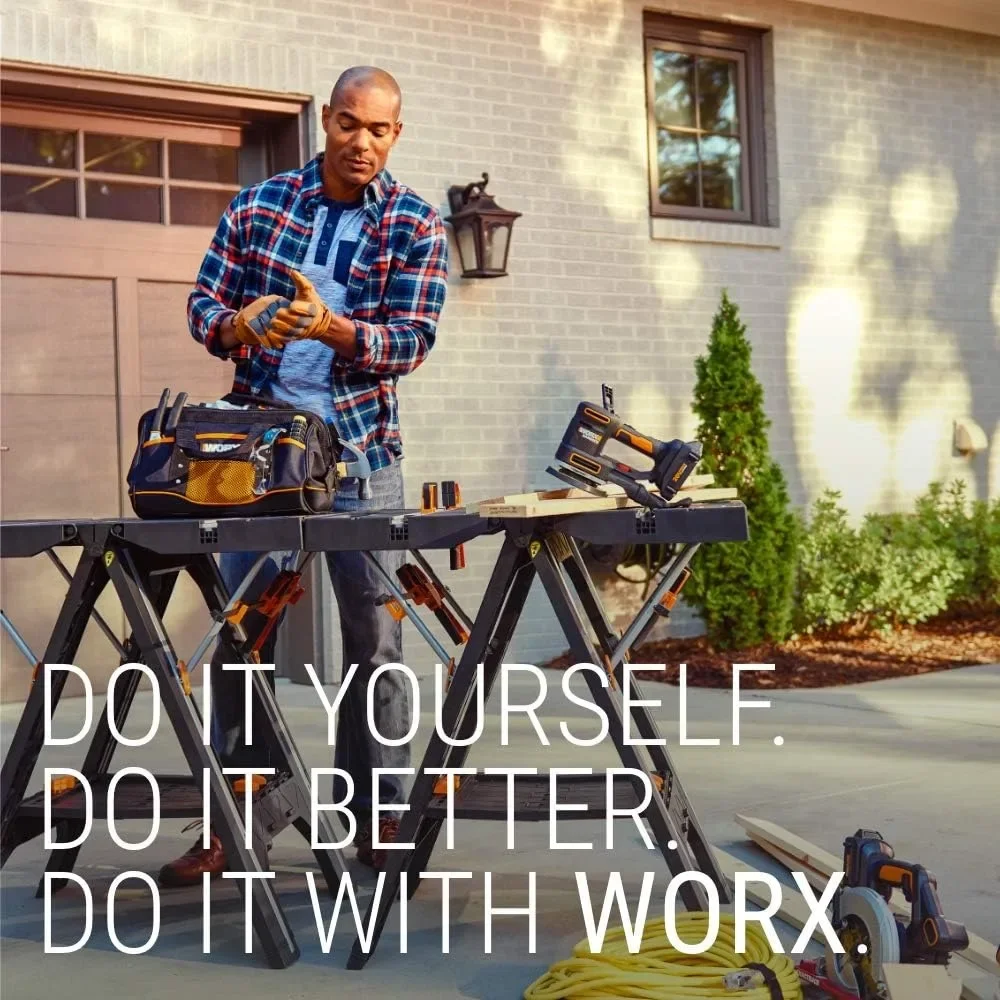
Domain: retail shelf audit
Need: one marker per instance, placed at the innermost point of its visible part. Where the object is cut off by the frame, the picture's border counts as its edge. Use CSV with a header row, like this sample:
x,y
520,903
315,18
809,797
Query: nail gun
x,y
585,464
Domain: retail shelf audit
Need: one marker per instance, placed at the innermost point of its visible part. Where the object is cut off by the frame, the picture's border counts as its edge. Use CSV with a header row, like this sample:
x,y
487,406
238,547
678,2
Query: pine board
x,y
777,840
920,982
574,493
588,503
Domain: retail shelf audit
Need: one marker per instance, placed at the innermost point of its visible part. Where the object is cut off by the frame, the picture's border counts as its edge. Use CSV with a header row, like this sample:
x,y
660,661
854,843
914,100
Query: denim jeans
x,y
370,637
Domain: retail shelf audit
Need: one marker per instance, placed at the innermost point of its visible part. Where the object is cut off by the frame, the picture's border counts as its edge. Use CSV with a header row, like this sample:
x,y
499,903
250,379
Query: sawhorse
x,y
144,579
547,548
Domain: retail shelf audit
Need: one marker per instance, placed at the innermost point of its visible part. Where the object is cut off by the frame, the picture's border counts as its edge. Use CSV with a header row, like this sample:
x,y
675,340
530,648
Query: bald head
x,y
362,125
365,76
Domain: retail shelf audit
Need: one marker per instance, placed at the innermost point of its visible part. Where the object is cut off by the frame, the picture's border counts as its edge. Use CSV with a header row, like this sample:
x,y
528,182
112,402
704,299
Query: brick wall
x,y
874,312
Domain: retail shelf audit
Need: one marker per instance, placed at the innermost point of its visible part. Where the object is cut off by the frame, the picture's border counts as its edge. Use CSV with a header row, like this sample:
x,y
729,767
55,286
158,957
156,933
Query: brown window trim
x,y
745,44
82,90
271,129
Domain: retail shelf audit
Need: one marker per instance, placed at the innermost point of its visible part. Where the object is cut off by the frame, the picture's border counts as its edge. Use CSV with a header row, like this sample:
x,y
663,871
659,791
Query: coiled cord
x,y
658,971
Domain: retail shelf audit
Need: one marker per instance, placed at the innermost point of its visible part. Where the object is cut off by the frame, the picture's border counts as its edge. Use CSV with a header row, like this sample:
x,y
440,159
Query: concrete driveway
x,y
917,759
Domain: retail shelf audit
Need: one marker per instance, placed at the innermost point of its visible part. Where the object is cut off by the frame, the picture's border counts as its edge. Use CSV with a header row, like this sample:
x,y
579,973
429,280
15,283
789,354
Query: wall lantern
x,y
482,230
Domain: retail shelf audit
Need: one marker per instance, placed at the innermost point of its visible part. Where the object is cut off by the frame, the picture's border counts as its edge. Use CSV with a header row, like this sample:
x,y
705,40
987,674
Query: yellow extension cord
x,y
659,972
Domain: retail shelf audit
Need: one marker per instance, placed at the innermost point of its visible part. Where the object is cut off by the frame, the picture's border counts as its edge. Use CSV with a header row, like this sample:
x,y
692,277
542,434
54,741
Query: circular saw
x,y
870,940
870,933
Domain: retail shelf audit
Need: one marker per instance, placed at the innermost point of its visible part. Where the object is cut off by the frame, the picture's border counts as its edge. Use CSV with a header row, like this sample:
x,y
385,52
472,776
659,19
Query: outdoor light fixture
x,y
482,230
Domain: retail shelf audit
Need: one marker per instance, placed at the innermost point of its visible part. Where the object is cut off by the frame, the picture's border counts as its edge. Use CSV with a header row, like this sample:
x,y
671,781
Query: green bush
x,y
897,569
743,591
971,530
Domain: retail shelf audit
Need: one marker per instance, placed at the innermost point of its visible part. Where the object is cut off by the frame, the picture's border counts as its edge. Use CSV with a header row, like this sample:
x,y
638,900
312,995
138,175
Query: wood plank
x,y
584,505
980,952
574,493
795,911
817,879
920,982
799,848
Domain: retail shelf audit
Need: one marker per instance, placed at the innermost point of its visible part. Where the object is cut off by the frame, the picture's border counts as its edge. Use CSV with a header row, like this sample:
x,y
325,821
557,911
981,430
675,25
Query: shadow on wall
x,y
890,332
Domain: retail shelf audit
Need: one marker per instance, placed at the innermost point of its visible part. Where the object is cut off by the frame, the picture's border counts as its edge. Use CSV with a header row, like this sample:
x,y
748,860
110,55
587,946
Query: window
x,y
705,108
135,150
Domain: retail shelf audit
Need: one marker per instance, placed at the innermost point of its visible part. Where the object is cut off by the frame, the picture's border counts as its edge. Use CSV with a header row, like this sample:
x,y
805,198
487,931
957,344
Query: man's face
x,y
361,128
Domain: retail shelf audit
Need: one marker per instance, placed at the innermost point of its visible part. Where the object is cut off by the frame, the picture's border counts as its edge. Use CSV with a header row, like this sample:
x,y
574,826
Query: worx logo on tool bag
x,y
215,447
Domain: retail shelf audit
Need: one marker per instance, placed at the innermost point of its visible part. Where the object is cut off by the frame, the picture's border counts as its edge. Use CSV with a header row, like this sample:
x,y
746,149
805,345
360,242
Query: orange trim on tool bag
x,y
602,418
288,440
146,444
219,436
231,503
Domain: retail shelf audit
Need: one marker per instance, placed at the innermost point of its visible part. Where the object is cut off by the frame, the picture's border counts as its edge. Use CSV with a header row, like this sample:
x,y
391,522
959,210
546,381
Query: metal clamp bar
x,y
95,614
234,599
429,570
19,640
638,623
409,612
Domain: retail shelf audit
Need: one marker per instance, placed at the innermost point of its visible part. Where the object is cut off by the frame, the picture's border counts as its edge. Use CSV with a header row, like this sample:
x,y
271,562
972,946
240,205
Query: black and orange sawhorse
x,y
141,561
547,548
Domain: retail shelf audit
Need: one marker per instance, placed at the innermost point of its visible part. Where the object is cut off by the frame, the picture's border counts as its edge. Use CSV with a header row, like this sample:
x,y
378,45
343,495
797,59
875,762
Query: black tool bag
x,y
202,461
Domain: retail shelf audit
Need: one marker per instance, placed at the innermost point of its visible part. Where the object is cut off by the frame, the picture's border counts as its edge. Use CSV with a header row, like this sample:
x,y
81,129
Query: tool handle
x,y
156,428
175,411
642,443
456,631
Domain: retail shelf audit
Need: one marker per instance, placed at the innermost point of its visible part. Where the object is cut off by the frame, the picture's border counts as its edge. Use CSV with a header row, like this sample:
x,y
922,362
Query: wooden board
x,y
815,878
547,507
920,982
794,910
574,493
777,840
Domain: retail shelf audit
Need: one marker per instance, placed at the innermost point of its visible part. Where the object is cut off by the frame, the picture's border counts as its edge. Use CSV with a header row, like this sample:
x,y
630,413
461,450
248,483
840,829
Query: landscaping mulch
x,y
812,661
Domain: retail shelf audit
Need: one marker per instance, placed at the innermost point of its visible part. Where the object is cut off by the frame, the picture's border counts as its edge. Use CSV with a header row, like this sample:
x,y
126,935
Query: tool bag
x,y
261,458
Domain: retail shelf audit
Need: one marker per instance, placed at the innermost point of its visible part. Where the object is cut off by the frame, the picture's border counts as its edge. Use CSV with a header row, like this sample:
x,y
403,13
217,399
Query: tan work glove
x,y
306,317
251,323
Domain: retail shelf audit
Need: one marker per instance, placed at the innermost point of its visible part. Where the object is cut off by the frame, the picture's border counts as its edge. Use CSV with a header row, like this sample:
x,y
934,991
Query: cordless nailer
x,y
585,464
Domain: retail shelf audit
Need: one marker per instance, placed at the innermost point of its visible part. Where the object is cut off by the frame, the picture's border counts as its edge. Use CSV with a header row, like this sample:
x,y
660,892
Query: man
x,y
324,285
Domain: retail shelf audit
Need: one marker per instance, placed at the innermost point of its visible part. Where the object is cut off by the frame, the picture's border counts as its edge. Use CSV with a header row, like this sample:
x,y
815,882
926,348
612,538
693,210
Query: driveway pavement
x,y
916,759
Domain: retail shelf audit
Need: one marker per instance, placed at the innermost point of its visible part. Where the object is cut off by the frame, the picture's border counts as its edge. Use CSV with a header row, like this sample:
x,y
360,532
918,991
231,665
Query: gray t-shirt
x,y
303,377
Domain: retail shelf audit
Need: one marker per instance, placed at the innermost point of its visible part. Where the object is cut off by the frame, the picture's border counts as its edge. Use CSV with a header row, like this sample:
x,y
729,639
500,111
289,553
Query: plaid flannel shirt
x,y
395,293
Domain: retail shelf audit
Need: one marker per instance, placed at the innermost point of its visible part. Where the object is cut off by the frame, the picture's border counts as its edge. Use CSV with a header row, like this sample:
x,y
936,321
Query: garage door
x,y
105,221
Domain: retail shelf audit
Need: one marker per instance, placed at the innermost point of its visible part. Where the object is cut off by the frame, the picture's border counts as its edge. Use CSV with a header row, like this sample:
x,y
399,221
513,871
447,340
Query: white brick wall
x,y
874,314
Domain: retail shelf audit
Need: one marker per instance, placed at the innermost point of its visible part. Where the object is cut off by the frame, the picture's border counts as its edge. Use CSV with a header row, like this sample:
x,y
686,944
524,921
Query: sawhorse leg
x,y
276,735
97,762
669,814
272,929
89,580
501,607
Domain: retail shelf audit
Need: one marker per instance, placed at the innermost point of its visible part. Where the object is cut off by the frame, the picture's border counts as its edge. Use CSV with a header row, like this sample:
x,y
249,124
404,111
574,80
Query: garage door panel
x,y
168,355
58,335
62,457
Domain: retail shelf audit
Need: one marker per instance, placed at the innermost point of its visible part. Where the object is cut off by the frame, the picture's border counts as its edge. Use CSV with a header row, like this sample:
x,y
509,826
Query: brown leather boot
x,y
387,831
188,869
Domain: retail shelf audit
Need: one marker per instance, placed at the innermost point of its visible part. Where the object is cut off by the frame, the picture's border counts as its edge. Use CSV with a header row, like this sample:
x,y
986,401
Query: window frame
x,y
269,131
744,45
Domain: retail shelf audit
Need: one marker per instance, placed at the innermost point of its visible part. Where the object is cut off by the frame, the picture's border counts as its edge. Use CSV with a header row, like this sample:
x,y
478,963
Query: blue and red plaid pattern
x,y
397,288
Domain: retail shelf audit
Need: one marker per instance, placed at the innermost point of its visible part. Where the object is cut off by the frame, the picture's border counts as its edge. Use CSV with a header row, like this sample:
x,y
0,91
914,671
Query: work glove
x,y
306,317
251,323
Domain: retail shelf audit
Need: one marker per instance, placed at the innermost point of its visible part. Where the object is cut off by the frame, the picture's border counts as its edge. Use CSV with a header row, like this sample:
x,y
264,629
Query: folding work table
x,y
141,560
